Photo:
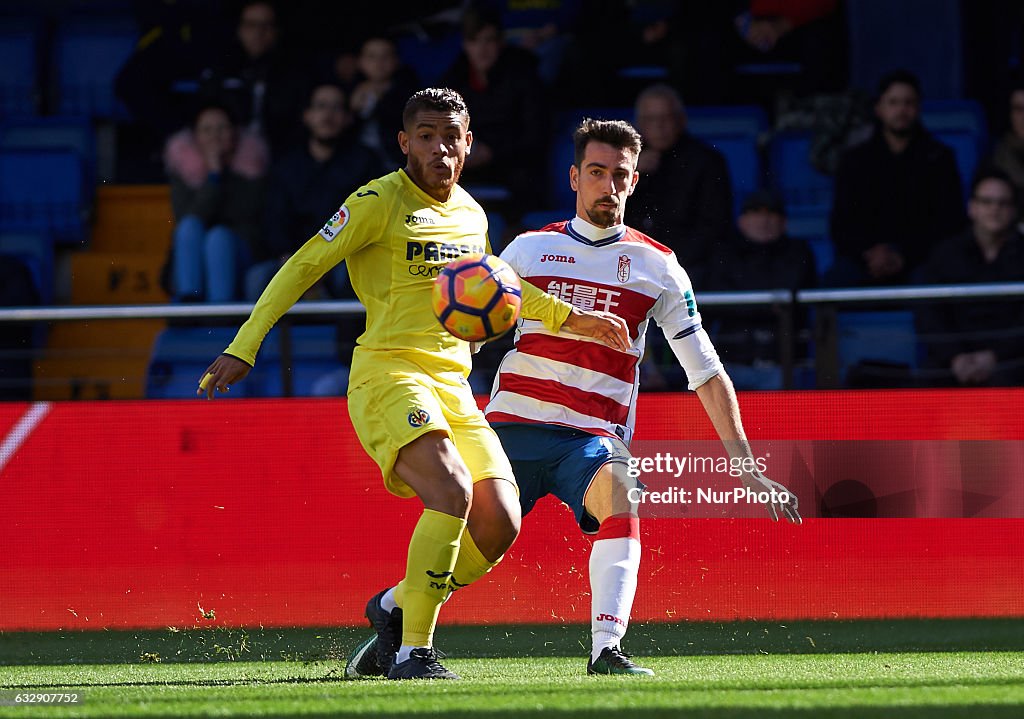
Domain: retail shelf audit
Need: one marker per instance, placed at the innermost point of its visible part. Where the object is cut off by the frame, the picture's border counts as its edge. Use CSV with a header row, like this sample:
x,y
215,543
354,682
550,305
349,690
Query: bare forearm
x,y
719,400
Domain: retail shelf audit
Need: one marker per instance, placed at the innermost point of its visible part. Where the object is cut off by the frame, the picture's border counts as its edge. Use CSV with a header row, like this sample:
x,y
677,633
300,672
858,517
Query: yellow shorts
x,y
402,403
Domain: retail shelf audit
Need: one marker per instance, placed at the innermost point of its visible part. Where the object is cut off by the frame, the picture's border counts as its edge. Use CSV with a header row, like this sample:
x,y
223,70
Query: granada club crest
x,y
418,417
623,268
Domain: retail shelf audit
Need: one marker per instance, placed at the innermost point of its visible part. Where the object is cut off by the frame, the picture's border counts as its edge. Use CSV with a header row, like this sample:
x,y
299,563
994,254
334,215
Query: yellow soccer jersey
x,y
395,238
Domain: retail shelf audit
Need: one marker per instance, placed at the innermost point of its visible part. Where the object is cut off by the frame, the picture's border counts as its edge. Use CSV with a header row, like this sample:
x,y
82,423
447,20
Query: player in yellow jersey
x,y
408,396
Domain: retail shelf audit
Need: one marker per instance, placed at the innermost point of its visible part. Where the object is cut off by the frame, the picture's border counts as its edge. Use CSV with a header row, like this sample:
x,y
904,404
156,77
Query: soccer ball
x,y
477,297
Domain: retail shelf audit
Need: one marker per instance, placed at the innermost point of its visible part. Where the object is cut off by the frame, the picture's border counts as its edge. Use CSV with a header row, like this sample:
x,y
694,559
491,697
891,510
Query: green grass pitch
x,y
902,670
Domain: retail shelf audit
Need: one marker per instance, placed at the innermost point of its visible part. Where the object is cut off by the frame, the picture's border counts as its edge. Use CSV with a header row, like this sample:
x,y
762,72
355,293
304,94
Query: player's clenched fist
x,y
602,326
225,371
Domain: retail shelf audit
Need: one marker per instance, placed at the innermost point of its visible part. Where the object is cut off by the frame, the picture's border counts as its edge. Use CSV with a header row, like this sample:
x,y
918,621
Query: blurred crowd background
x,y
178,151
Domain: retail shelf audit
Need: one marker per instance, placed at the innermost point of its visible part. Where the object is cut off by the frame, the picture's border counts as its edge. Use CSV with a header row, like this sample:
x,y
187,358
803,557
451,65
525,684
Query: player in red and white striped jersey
x,y
564,406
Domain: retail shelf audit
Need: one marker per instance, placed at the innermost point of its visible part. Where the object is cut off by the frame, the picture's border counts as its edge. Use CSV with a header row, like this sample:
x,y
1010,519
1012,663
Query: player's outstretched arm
x,y
719,400
605,327
225,371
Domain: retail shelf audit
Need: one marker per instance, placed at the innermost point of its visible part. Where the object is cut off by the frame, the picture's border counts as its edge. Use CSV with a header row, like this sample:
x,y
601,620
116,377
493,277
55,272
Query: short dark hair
x,y
994,173
316,86
477,18
617,133
439,99
898,77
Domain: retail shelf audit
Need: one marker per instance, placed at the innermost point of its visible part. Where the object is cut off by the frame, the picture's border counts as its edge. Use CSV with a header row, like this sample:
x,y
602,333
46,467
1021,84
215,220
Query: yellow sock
x,y
471,563
470,566
432,552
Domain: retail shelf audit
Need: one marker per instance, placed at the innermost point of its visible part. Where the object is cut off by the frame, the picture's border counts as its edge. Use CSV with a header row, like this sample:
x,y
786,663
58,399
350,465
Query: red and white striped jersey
x,y
566,379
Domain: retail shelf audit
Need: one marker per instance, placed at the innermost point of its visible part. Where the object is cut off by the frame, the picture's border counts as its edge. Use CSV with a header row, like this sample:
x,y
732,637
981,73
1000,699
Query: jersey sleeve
x,y
676,313
357,223
537,304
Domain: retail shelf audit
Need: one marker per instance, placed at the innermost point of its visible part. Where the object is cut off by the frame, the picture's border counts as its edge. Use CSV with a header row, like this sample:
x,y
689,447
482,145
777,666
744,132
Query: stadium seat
x,y
19,42
711,120
180,354
37,252
430,57
541,218
54,133
884,341
314,353
957,115
807,192
814,229
41,192
496,227
87,55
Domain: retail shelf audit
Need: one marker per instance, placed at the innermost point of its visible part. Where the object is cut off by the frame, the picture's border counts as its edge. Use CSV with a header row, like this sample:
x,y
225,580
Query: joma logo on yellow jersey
x,y
419,220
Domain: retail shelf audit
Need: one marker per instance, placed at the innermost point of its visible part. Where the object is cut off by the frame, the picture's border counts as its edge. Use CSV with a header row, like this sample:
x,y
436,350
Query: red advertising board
x,y
268,513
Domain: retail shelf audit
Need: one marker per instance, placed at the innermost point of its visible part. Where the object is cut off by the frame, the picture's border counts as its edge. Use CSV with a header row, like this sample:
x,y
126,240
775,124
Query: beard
x,y
602,216
902,130
428,179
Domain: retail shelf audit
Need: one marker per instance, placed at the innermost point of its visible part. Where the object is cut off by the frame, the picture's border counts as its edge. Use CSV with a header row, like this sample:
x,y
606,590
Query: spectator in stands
x,y
217,191
309,183
542,28
808,34
17,289
378,98
1008,154
684,195
896,195
979,343
157,83
254,79
501,84
758,256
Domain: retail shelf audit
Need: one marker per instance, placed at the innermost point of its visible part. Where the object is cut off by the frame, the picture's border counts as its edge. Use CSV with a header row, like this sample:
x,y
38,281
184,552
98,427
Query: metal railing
x,y
826,304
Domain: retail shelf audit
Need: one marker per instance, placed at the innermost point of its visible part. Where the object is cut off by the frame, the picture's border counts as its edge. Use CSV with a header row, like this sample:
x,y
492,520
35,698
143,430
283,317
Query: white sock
x,y
614,564
387,602
404,651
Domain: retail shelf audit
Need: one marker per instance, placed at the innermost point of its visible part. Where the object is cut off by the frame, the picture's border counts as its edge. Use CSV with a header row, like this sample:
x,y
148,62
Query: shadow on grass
x,y
689,639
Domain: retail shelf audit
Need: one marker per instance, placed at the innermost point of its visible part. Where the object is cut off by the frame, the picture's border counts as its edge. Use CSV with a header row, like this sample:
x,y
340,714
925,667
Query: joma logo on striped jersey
x,y
438,251
567,259
419,220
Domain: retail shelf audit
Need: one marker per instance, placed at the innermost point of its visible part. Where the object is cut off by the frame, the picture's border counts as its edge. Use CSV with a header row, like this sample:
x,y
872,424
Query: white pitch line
x,y
21,430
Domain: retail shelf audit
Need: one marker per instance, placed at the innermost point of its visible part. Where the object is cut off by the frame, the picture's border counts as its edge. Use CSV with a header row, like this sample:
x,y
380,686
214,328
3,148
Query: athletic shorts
x,y
402,402
550,459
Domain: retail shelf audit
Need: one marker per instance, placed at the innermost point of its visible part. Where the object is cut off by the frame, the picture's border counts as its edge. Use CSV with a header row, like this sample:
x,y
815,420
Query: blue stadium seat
x,y
711,120
180,354
430,57
744,162
19,73
496,227
958,115
41,192
814,229
87,55
37,252
967,152
886,337
54,133
962,125
541,218
735,131
314,350
806,191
